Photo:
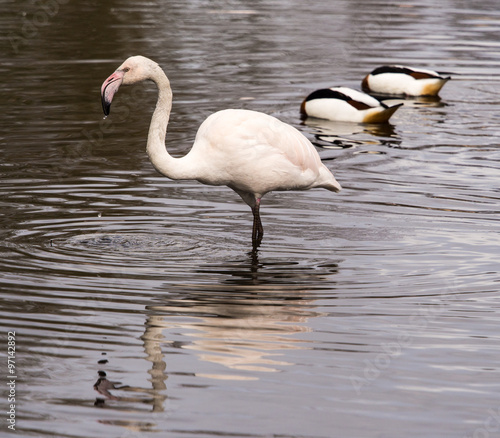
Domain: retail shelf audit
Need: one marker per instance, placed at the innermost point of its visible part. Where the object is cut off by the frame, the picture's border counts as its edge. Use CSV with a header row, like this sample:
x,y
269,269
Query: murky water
x,y
369,313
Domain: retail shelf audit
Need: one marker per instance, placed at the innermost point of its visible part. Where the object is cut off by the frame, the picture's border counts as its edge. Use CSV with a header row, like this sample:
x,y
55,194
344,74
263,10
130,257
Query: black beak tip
x,y
105,107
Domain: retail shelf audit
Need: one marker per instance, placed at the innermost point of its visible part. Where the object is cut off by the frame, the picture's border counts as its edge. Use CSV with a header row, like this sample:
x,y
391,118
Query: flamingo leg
x,y
258,230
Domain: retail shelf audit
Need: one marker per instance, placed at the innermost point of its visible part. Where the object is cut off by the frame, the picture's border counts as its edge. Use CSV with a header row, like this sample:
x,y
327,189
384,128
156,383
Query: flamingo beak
x,y
109,88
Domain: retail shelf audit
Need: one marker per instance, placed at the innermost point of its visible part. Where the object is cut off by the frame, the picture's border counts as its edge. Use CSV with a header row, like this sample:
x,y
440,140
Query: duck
x,y
343,104
400,80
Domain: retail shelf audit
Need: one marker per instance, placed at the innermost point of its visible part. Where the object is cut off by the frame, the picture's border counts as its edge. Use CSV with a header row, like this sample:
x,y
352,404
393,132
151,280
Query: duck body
x,y
399,80
344,104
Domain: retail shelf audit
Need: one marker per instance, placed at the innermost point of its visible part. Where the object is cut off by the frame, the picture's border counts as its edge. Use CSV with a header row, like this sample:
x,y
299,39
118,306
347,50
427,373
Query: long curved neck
x,y
173,168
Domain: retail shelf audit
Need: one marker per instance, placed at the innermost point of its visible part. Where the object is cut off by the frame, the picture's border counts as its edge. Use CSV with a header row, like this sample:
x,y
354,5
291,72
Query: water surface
x,y
369,313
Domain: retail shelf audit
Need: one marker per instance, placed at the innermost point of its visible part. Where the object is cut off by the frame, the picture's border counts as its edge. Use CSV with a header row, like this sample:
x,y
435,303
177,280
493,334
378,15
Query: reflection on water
x,y
243,326
341,135
244,338
373,312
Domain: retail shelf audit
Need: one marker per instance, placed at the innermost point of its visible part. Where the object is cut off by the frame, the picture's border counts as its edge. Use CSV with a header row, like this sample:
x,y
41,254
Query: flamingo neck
x,y
163,162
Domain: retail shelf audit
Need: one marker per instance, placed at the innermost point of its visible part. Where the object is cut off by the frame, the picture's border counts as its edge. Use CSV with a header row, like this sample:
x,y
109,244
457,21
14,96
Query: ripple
x,y
135,243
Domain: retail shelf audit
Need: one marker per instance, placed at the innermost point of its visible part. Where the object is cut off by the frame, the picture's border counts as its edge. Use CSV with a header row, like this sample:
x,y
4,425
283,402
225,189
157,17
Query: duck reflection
x,y
342,135
416,101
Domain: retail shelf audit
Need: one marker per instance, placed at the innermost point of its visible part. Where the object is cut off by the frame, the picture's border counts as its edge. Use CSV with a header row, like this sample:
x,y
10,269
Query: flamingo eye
x,y
126,69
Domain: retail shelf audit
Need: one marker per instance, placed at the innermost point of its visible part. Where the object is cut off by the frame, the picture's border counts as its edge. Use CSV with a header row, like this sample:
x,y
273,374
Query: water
x,y
369,313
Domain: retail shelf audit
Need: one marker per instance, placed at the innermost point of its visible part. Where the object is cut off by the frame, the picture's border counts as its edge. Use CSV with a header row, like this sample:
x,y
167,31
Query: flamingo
x,y
250,152
344,104
404,81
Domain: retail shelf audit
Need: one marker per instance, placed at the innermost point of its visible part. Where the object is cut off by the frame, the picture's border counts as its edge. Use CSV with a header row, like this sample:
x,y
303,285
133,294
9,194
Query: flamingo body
x,y
256,153
344,104
250,152
404,81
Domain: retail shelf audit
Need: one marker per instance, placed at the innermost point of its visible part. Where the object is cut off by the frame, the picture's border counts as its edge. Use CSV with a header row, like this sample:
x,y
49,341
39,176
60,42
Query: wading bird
x,y
342,104
248,151
401,80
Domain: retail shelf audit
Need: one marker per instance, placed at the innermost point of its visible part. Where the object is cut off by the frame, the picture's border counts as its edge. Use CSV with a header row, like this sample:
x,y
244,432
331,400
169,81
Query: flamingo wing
x,y
257,153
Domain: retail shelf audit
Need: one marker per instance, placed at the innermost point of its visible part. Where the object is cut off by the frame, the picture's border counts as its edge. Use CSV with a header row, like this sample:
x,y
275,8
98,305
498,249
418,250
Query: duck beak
x,y
109,88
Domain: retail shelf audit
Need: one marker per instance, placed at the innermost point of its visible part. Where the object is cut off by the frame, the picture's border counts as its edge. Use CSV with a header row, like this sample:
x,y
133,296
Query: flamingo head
x,y
134,69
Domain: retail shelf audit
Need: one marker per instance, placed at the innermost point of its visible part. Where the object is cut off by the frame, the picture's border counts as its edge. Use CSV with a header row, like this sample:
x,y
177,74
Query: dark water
x,y
371,313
